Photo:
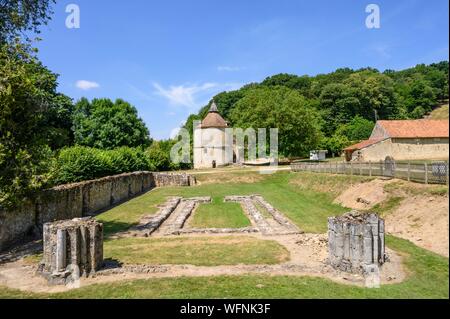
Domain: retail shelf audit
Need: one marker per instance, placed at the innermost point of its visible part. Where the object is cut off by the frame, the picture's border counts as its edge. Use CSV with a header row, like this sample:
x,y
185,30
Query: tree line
x,y
48,139
331,111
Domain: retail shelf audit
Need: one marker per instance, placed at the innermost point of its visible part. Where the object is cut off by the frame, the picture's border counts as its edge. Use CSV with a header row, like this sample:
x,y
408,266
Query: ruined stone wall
x,y
173,179
356,242
80,199
72,248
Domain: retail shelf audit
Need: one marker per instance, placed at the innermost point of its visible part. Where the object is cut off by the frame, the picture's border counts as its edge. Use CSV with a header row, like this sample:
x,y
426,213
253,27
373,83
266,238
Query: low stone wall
x,y
78,200
170,179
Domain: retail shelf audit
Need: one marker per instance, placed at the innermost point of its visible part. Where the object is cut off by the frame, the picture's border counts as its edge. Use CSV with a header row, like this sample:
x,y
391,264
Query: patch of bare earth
x,y
364,196
424,220
421,217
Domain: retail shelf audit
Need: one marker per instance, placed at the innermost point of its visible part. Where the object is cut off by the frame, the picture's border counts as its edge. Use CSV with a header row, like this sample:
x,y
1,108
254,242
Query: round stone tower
x,y
212,148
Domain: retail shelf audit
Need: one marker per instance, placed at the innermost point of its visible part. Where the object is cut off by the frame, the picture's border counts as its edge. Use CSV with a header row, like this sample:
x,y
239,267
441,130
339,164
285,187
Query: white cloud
x,y
227,68
86,85
181,94
174,132
192,95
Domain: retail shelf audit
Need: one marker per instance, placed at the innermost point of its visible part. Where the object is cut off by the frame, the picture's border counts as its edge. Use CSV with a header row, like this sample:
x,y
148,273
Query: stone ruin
x,y
72,248
267,219
173,217
356,244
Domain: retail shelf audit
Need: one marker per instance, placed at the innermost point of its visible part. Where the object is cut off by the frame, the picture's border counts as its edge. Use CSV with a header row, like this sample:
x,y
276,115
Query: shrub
x,y
79,163
158,157
125,159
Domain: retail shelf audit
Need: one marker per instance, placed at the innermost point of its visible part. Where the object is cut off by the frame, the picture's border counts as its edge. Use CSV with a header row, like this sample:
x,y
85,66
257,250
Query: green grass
x,y
219,215
414,189
440,113
308,208
200,251
306,198
388,205
33,259
428,279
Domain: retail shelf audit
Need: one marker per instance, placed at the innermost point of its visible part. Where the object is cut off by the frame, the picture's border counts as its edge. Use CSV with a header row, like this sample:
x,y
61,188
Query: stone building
x,y
212,146
403,140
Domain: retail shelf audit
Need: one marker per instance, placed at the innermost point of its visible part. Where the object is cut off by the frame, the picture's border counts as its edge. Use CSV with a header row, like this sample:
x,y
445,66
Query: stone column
x,y
60,250
356,243
71,248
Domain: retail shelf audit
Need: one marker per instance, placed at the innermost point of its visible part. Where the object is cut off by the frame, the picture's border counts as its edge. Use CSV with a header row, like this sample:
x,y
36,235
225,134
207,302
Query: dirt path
x,y
308,254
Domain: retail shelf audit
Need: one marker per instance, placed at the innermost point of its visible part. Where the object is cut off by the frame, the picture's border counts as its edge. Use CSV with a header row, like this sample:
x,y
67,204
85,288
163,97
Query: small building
x,y
211,147
318,155
403,140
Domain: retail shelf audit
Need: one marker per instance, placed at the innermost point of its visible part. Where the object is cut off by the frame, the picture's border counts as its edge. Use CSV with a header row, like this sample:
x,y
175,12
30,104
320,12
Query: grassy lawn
x,y
200,251
306,198
219,215
286,191
428,279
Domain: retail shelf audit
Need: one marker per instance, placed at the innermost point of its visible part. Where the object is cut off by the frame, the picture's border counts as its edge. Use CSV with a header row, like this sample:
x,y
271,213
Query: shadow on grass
x,y
112,227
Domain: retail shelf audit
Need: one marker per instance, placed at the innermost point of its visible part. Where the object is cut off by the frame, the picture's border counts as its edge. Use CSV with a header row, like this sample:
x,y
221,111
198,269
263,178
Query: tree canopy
x,y
20,16
282,108
347,102
30,109
105,124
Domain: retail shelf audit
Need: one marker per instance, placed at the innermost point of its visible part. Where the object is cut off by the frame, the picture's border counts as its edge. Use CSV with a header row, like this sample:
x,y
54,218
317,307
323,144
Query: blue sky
x,y
169,58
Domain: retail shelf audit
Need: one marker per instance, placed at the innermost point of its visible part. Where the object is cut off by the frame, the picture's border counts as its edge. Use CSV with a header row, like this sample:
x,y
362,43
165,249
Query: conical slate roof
x,y
213,119
213,107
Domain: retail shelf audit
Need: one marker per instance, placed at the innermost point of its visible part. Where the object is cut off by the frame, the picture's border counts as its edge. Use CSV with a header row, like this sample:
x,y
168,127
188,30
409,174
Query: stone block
x,y
356,240
71,248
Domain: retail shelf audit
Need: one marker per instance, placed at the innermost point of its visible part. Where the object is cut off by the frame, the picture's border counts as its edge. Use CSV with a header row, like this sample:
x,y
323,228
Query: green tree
x,y
107,125
158,156
59,122
282,108
27,97
338,97
357,129
300,83
420,95
18,17
335,144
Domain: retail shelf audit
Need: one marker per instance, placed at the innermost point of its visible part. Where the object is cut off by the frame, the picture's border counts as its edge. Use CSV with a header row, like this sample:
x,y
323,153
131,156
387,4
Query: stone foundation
x,y
356,242
72,248
172,217
273,222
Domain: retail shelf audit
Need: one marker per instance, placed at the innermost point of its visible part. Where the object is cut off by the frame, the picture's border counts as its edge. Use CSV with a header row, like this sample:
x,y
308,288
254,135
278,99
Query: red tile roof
x,y
363,144
415,128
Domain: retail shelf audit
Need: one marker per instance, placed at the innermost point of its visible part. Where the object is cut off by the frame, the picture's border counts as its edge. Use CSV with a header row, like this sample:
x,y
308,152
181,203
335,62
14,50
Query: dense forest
x,y
333,110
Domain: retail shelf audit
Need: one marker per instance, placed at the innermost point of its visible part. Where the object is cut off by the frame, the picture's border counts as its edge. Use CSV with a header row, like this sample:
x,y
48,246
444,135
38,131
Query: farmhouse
x,y
212,148
403,140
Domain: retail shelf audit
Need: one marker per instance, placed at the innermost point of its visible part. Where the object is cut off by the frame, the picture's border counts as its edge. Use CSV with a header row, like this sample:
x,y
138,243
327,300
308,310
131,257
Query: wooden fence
x,y
428,173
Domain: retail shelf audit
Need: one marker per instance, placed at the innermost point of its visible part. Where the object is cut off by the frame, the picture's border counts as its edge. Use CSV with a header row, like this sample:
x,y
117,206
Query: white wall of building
x,y
211,144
